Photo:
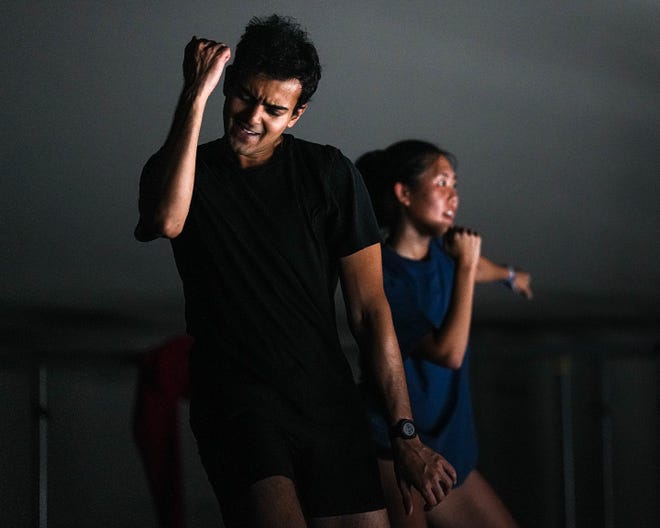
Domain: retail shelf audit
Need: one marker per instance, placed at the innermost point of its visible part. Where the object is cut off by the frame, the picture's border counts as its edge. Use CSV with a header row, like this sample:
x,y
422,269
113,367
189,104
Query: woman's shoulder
x,y
438,251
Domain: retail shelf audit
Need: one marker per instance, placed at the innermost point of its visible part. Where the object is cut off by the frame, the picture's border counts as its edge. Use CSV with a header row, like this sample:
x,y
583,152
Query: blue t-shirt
x,y
419,293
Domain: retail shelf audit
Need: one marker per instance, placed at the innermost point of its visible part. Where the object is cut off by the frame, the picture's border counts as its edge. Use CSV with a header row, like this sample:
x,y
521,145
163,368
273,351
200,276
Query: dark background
x,y
553,109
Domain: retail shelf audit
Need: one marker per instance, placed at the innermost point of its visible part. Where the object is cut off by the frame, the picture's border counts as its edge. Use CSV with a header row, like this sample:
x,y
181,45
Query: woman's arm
x,y
518,280
446,345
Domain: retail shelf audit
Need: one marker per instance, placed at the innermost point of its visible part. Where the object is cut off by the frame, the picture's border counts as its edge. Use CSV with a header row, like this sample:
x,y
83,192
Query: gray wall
x,y
552,108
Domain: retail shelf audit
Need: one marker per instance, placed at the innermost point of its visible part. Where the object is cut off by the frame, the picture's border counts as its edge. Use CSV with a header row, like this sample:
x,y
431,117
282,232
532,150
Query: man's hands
x,y
203,63
418,466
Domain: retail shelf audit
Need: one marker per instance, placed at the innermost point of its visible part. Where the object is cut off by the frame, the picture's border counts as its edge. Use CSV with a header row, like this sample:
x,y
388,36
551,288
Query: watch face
x,y
408,429
404,428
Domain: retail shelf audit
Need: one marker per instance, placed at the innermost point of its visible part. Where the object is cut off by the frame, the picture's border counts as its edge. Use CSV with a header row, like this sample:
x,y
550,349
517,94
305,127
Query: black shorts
x,y
333,466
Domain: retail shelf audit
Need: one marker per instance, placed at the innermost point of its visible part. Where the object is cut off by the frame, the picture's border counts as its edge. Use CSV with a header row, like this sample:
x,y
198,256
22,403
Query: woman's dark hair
x,y
279,48
403,162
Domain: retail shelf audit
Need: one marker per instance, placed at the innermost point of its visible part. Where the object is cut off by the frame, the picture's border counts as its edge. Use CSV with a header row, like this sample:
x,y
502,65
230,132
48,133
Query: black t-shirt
x,y
259,258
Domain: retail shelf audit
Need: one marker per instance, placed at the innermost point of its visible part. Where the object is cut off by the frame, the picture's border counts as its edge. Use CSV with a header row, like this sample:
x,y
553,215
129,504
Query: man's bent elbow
x,y
170,229
147,231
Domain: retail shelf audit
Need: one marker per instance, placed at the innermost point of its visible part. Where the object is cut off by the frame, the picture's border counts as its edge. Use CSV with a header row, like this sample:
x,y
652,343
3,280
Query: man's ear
x,y
228,84
402,193
296,115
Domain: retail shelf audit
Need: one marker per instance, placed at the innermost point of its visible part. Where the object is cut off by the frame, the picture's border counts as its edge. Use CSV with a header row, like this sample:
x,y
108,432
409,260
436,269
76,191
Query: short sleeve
x,y
352,224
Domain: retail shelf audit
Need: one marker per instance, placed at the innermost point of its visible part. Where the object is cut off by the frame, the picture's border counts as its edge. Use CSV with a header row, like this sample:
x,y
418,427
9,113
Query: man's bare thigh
x,y
372,519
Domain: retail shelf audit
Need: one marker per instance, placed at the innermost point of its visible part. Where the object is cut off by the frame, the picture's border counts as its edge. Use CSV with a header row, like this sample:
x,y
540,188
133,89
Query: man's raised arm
x,y
166,184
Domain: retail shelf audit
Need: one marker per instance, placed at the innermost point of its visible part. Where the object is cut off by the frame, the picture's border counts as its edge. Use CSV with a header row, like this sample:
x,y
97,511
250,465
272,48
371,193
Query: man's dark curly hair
x,y
279,48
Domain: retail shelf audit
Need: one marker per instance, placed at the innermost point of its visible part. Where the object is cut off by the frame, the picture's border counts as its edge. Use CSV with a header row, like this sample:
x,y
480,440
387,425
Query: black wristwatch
x,y
404,428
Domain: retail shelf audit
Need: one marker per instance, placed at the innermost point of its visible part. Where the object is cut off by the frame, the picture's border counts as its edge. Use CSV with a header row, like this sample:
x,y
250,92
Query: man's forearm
x,y
166,186
387,366
370,320
168,183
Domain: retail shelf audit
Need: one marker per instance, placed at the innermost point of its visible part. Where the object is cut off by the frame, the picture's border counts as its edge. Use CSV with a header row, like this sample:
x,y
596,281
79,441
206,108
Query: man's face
x,y
256,113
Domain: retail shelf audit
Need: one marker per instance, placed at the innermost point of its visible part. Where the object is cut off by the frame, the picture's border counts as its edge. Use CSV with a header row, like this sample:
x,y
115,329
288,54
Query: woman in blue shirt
x,y
429,271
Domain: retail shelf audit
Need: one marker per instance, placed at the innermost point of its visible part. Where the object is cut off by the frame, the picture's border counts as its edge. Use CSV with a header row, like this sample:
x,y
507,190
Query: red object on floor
x,y
163,381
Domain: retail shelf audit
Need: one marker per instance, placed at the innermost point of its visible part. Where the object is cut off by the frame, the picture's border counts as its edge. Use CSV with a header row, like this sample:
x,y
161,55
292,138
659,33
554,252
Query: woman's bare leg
x,y
472,505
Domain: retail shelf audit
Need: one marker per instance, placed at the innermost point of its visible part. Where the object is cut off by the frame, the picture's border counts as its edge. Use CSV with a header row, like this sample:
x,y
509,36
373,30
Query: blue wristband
x,y
510,281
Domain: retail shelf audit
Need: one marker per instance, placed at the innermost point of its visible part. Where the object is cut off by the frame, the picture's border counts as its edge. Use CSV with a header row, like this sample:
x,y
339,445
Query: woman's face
x,y
431,206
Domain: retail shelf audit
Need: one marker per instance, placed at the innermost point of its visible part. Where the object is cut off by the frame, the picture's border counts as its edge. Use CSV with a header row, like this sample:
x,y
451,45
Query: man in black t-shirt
x,y
262,224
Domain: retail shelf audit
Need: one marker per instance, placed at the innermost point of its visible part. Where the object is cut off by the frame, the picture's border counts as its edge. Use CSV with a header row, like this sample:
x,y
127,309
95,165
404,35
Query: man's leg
x,y
393,500
268,503
273,503
373,519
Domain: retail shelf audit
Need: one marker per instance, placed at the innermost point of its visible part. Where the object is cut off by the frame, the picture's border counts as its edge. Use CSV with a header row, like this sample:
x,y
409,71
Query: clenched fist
x,y
203,63
464,245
